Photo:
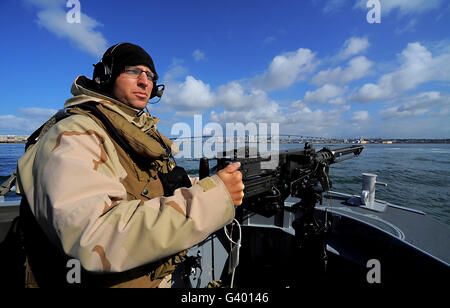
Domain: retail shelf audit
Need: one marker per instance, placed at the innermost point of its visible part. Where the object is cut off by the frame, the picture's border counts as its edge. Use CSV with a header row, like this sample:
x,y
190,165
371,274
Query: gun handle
x,y
203,168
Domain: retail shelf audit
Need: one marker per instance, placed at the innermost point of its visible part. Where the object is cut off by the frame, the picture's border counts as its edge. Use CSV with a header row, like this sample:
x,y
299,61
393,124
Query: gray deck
x,y
412,227
7,214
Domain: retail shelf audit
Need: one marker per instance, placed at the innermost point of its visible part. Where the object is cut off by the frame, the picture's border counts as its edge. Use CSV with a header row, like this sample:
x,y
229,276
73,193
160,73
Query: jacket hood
x,y
84,90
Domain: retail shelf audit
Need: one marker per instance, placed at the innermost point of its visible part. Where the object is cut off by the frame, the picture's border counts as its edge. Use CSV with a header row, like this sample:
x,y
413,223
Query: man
x,y
101,185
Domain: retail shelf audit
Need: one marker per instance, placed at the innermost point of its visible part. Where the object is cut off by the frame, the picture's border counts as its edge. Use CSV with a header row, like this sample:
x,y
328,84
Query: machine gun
x,y
296,173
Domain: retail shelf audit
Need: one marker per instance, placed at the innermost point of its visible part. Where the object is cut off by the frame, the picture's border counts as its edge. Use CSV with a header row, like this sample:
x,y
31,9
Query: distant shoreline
x,y
13,142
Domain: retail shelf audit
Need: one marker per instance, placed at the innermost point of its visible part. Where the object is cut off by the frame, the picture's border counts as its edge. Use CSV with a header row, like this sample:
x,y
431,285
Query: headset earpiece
x,y
100,75
103,69
157,90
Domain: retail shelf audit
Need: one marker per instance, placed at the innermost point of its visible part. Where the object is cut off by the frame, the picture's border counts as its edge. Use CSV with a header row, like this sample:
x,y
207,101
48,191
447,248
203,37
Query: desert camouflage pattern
x,y
72,180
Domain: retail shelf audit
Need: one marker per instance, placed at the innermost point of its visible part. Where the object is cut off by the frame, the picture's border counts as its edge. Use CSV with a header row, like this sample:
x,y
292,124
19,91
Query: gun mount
x,y
304,174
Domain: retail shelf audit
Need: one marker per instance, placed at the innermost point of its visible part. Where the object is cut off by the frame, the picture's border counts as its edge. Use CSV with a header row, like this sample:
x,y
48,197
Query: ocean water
x,y
418,175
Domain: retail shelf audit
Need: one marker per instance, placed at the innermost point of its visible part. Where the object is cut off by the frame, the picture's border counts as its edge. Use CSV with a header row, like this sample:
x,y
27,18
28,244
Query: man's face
x,y
133,91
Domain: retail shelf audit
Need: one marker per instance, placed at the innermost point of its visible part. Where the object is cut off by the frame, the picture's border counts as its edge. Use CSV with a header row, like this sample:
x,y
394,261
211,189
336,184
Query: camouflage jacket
x,y
72,179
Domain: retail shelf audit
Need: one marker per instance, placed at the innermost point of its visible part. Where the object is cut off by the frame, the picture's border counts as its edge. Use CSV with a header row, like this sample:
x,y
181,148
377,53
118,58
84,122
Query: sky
x,y
325,68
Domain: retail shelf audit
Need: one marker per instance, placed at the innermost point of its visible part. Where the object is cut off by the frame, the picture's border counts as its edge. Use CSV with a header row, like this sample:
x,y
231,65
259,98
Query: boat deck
x,y
7,213
404,240
411,226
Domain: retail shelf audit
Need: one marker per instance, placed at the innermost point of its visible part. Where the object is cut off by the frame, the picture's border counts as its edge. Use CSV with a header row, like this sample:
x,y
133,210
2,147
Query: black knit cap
x,y
126,54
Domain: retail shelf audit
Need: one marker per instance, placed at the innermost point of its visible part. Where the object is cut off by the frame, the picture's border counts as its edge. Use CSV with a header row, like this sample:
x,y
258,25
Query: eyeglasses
x,y
135,72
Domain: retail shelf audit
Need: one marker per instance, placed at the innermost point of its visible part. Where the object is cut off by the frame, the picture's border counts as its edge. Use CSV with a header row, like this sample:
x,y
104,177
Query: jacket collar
x,y
84,90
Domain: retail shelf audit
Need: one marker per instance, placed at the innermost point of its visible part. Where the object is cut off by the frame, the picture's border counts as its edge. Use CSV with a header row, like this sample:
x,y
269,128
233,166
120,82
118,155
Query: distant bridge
x,y
281,137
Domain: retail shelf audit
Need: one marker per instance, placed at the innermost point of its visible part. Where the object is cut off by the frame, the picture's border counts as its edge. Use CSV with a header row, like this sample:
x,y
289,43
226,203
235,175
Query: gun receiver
x,y
297,173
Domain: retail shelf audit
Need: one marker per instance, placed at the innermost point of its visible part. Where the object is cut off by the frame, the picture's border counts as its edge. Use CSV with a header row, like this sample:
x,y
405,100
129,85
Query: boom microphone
x,y
159,92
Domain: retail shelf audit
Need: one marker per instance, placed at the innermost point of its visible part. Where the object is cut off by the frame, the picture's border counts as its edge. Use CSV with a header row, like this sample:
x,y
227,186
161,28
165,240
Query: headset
x,y
103,73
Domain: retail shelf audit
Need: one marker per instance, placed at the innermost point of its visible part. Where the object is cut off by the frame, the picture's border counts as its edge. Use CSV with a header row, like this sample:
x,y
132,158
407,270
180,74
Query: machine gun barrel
x,y
332,156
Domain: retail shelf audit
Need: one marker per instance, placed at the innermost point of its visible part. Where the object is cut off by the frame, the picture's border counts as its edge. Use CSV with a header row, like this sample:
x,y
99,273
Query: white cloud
x,y
233,96
360,116
325,94
198,55
337,101
269,113
307,116
183,93
52,16
10,124
353,46
418,66
357,68
28,120
396,112
36,112
298,104
306,121
286,69
243,105
192,95
175,71
418,105
195,95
